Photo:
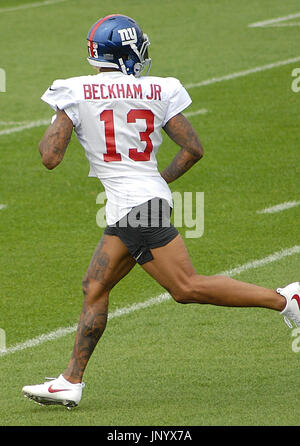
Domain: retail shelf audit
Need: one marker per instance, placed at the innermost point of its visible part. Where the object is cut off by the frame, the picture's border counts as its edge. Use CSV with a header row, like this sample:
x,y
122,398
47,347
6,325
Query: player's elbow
x,y
200,150
196,148
197,151
49,160
50,165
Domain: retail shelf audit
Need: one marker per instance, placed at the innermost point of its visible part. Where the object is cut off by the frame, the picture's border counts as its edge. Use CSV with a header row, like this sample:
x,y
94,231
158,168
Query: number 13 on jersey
x,y
107,116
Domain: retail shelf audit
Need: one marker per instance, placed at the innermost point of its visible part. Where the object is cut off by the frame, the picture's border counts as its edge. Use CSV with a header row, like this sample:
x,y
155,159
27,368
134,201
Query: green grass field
x,y
166,364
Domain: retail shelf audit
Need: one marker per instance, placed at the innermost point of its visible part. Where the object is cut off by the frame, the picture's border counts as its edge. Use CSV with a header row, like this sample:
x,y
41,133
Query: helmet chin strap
x,y
122,65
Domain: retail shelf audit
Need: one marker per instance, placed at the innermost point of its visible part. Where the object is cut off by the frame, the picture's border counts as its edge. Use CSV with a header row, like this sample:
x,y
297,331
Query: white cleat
x,y
55,391
291,312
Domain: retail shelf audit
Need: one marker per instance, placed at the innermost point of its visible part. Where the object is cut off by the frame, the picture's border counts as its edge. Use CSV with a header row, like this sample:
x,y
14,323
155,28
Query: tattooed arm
x,y
182,133
55,140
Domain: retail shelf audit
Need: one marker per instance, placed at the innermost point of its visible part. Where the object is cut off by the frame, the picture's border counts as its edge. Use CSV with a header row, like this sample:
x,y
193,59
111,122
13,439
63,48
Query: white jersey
x,y
118,120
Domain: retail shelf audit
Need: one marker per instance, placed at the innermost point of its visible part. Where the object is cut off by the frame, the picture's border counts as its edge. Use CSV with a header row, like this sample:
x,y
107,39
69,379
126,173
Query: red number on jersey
x,y
111,153
132,116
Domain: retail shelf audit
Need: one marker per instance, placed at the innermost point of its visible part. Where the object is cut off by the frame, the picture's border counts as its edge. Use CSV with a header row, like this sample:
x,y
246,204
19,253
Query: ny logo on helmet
x,y
128,36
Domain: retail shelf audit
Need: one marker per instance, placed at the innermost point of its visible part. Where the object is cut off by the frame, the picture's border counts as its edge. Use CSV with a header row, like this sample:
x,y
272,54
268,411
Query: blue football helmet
x,y
117,41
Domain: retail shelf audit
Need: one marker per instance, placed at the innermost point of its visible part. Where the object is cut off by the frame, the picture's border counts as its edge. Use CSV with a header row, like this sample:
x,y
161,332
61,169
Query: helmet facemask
x,y
144,60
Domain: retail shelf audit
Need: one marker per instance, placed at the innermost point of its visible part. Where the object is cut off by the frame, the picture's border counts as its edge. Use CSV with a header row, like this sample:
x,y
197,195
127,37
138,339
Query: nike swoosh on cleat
x,y
297,298
56,390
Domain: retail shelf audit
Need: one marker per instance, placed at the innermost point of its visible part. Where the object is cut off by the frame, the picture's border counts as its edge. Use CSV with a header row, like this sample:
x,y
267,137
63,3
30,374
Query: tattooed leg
x,y
110,263
91,326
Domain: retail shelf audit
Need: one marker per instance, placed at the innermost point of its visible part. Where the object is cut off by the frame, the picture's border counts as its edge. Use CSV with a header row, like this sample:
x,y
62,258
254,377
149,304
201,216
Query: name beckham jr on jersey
x,y
121,91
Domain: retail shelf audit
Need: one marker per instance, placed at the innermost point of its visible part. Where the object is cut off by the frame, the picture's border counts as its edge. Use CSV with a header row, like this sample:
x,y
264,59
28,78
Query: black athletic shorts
x,y
145,227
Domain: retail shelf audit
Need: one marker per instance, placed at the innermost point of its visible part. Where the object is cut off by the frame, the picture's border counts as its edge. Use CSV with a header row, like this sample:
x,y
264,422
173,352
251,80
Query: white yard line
x,y
261,262
202,111
228,77
31,5
13,122
281,25
60,332
3,206
279,207
29,125
275,21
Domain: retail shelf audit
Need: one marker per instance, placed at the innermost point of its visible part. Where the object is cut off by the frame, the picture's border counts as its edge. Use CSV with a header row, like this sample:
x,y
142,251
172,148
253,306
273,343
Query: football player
x,y
117,116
